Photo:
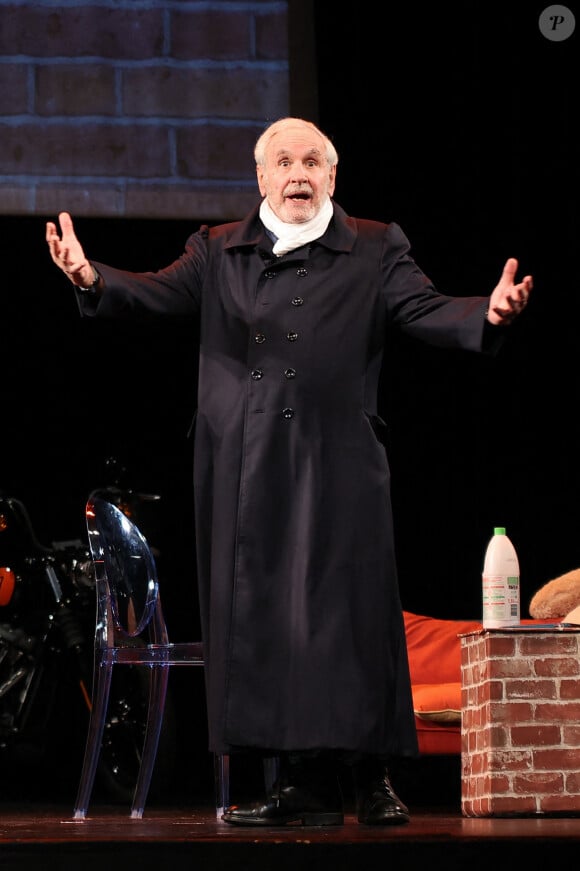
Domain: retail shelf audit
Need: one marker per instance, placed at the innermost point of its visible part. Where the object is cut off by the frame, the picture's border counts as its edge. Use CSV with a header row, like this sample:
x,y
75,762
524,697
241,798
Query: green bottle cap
x,y
499,530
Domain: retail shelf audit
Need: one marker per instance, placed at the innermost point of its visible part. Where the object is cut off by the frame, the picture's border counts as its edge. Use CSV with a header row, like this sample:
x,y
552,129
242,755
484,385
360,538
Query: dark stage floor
x,y
180,831
39,836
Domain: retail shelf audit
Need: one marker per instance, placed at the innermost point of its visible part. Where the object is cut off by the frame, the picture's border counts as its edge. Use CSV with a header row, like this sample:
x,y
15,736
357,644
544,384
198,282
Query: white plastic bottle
x,y
501,582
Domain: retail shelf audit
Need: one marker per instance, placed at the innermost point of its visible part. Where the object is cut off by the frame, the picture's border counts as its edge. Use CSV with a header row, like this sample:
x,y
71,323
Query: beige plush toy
x,y
559,598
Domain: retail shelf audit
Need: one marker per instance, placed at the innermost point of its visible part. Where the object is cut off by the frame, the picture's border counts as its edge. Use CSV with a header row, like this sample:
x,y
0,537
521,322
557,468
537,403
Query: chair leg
x,y
100,699
271,772
222,783
157,694
222,779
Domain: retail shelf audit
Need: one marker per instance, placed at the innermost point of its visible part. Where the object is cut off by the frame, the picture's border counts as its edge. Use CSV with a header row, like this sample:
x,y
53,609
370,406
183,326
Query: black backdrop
x,y
458,126
456,122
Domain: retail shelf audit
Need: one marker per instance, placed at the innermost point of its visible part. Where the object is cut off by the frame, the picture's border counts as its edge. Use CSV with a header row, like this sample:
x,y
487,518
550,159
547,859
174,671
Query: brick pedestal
x,y
520,729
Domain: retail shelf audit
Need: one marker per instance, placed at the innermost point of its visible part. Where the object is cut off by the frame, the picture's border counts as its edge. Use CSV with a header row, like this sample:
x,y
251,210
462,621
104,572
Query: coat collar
x,y
339,236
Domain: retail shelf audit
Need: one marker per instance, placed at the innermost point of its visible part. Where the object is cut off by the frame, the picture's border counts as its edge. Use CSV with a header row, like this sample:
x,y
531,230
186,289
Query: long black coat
x,y
300,607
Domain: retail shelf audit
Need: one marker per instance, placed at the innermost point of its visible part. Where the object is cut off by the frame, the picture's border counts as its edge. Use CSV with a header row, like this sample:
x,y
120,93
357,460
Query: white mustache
x,y
289,192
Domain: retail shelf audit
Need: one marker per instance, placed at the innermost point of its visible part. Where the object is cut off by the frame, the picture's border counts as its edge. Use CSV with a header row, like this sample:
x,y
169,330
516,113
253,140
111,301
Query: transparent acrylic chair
x,y
131,630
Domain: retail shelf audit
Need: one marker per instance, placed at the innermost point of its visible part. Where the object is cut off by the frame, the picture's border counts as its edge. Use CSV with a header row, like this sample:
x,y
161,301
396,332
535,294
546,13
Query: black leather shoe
x,y
377,804
289,804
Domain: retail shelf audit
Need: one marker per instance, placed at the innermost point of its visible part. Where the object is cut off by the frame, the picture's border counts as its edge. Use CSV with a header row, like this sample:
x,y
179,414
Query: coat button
x,y
301,272
290,373
288,413
256,374
297,300
291,335
259,338
270,273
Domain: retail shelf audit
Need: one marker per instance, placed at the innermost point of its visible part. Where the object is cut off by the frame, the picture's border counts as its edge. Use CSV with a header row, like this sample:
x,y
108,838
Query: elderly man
x,y
301,614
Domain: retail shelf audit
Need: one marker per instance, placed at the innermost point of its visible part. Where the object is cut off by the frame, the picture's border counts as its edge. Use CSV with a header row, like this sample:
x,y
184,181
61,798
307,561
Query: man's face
x,y
296,177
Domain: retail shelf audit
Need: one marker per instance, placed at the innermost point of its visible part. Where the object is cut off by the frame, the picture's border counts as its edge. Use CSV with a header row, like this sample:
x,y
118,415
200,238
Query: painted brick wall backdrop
x,y
137,108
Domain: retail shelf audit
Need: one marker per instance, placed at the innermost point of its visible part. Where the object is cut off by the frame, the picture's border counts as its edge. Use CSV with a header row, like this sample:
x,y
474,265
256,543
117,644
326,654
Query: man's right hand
x,y
67,252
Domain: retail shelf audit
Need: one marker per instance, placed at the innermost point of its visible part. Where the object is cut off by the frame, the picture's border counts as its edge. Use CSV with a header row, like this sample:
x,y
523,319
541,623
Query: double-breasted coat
x,y
300,606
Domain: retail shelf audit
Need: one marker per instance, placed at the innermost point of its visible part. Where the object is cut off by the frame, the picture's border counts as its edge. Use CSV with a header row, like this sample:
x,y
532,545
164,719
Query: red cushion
x,y
434,648
438,702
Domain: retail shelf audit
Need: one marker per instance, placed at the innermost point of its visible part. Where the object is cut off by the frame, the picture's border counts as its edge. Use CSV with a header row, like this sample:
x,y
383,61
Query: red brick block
x,y
512,806
535,688
572,782
508,666
557,758
499,712
561,804
560,643
552,711
551,783
571,734
557,666
521,749
498,783
570,689
495,735
534,736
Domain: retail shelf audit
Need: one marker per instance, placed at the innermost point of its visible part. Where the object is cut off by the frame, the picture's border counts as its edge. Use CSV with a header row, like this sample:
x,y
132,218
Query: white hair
x,y
283,124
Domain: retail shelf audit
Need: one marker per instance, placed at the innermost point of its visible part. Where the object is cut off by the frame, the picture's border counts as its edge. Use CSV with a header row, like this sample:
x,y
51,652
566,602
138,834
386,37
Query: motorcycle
x,y
47,625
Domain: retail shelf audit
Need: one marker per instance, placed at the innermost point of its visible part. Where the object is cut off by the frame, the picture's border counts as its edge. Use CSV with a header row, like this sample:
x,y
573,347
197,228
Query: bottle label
x,y
501,601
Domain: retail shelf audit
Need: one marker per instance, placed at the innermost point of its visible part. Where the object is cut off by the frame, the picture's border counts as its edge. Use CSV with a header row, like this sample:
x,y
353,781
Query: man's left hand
x,y
508,298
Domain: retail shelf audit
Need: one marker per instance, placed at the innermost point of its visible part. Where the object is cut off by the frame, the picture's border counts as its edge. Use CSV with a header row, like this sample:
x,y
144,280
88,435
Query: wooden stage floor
x,y
175,838
180,831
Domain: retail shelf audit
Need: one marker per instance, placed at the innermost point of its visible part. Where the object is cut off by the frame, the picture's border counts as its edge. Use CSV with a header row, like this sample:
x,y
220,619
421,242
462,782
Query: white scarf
x,y
290,236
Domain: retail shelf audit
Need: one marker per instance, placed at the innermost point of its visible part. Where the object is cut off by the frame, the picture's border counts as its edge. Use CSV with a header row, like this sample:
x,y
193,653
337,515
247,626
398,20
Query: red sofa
x,y
434,650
